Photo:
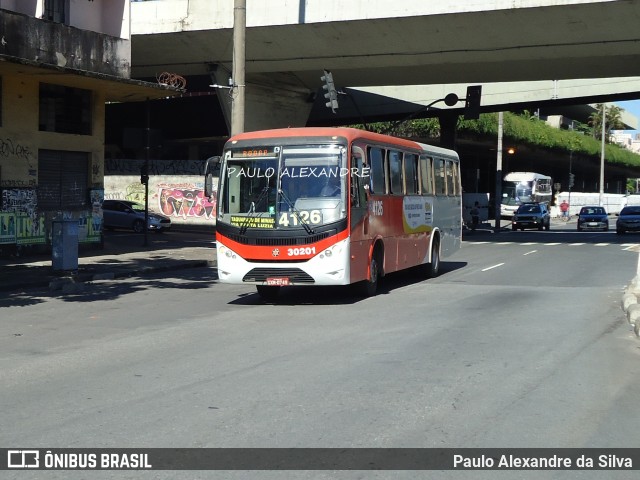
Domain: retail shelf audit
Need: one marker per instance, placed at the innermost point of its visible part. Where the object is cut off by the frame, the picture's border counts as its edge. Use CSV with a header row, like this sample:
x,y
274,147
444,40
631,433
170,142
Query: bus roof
x,y
524,176
348,133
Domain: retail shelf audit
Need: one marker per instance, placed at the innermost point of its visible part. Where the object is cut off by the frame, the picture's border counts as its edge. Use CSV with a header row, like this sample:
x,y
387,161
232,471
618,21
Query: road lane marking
x,y
601,244
529,253
576,244
494,266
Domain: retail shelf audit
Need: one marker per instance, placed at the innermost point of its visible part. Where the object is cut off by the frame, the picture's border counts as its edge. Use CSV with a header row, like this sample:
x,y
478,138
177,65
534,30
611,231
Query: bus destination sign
x,y
269,151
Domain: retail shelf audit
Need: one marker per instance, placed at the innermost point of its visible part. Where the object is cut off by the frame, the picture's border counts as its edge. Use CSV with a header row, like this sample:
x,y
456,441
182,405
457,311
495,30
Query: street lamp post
x,y
498,200
604,119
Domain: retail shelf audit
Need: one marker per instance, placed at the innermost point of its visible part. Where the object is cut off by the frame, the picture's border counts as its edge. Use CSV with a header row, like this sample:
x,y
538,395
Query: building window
x,y
56,11
65,109
63,180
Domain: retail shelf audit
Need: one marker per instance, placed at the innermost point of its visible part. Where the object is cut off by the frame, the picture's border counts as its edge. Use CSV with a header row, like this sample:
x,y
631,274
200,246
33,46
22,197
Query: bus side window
x,y
438,171
410,174
395,172
455,168
377,173
451,177
426,176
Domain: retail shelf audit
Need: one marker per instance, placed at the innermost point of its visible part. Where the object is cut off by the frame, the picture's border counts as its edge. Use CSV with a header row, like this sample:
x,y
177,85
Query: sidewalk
x,y
124,254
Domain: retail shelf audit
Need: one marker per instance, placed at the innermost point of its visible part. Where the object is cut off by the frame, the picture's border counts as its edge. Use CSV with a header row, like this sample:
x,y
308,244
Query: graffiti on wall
x,y
10,148
19,221
21,229
182,200
7,227
185,200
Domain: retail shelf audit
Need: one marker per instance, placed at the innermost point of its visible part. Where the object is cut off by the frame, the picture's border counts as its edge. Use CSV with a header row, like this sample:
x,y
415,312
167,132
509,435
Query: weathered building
x,y
60,62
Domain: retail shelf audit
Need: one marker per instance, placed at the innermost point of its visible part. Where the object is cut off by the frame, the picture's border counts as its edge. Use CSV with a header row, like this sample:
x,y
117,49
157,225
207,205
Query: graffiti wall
x,y
20,222
179,197
176,188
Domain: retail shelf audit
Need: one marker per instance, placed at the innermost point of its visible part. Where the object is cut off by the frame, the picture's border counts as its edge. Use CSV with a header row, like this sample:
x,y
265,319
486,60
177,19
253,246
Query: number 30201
x,y
294,252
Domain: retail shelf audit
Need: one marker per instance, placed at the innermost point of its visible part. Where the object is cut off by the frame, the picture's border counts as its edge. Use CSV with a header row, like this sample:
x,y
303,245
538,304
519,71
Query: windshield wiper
x,y
296,212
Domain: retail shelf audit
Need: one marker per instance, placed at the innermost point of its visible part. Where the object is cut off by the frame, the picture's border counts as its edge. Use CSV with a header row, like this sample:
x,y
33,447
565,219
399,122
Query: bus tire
x,y
432,269
268,293
369,287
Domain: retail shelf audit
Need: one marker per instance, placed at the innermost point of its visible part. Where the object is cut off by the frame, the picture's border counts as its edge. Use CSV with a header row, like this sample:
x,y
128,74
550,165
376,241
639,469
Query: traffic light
x,y
330,91
472,102
144,175
571,179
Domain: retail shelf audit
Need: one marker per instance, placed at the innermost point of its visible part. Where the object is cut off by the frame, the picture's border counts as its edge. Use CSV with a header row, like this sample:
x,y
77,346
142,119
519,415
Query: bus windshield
x,y
284,187
524,191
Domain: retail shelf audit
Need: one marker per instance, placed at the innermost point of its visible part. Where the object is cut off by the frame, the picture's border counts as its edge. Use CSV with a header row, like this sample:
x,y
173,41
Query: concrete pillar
x,y
448,123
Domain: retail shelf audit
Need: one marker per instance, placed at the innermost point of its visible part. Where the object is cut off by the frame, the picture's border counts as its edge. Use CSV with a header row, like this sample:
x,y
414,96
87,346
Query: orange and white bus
x,y
332,206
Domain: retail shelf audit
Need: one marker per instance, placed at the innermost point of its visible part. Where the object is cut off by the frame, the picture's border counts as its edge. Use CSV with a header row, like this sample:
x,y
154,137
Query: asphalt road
x,y
520,342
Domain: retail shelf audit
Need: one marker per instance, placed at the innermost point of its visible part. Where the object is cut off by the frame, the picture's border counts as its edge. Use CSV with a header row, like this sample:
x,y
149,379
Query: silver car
x,y
130,215
628,220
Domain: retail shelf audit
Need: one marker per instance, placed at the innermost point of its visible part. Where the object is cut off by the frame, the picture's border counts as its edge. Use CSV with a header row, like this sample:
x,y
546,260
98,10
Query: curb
x,y
631,305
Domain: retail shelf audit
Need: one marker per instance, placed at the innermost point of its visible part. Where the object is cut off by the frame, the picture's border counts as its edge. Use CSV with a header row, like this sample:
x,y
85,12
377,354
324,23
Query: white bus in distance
x,y
523,187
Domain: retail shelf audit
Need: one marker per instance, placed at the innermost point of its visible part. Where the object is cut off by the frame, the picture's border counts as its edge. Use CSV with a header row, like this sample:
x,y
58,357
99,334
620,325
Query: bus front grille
x,y
295,275
280,241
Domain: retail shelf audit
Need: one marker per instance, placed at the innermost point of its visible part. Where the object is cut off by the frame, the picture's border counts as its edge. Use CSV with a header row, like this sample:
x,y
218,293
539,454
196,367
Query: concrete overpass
x,y
434,47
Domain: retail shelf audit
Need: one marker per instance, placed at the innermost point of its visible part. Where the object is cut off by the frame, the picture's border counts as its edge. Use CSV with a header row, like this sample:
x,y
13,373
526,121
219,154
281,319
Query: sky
x,y
633,107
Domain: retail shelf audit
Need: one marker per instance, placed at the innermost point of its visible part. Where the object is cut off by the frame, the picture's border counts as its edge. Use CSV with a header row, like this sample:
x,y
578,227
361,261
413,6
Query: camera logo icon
x,y
23,459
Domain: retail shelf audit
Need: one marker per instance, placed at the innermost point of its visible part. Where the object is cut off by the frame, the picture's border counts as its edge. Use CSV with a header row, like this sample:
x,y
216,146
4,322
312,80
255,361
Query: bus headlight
x,y
333,250
227,252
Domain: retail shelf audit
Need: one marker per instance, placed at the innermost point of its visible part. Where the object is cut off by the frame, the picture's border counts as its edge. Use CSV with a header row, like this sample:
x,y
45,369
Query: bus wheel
x,y
268,293
432,269
368,288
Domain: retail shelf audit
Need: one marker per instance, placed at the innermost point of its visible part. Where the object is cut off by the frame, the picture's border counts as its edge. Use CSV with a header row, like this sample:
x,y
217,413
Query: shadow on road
x,y
346,295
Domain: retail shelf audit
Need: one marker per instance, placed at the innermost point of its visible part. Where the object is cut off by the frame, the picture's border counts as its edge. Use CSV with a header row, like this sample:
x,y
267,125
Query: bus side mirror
x,y
211,166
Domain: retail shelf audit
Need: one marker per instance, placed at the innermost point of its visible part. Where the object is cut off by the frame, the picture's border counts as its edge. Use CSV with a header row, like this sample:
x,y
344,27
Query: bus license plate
x,y
278,281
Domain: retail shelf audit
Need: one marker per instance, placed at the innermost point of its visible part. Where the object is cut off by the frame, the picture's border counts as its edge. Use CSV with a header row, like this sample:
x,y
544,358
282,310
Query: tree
x,y
613,120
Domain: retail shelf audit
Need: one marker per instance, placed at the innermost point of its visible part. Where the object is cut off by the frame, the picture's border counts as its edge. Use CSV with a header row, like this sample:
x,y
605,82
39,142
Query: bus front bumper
x,y
329,267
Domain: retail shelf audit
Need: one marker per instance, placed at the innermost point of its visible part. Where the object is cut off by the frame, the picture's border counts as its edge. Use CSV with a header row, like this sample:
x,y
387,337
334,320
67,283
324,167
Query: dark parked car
x,y
130,215
628,220
531,215
593,218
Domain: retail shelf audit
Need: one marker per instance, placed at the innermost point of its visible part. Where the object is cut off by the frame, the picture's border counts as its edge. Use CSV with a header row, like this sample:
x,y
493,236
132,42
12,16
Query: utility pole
x,y
571,176
498,200
145,175
604,119
238,69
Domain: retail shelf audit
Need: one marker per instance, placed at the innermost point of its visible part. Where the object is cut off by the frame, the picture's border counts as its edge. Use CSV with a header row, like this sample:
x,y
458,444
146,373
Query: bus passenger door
x,y
358,198
359,216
